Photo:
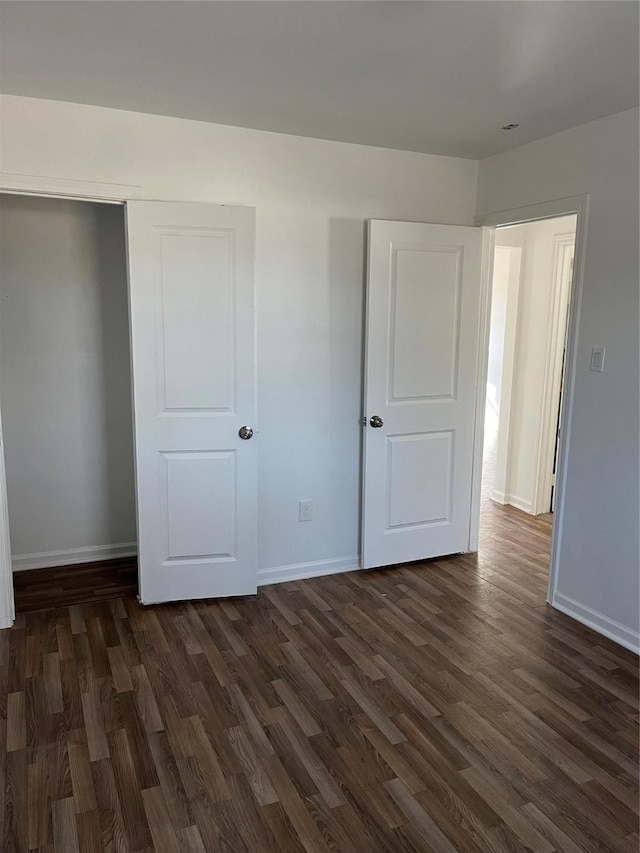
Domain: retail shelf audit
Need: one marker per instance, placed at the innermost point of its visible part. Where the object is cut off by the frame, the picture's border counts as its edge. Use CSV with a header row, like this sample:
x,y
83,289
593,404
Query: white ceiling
x,y
438,77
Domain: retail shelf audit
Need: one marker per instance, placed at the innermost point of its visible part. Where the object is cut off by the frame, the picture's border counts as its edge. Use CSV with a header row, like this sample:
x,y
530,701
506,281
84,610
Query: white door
x,y
423,302
191,293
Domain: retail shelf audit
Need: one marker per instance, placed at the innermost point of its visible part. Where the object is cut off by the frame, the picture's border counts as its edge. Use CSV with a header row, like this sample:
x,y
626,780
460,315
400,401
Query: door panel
x,y
197,317
193,362
199,510
424,344
423,295
412,461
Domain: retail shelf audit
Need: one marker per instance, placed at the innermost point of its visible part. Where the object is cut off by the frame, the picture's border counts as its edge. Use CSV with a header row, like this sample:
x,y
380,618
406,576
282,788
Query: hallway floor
x,y
514,547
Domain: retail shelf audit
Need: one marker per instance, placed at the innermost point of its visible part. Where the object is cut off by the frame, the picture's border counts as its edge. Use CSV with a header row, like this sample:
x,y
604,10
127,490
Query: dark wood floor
x,y
439,707
40,589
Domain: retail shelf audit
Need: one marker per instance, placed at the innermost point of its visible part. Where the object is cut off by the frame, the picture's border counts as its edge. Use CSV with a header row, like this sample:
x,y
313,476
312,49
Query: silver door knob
x,y
245,432
376,422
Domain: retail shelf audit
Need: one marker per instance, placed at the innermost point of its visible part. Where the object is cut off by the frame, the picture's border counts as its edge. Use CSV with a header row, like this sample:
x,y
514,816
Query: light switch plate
x,y
597,359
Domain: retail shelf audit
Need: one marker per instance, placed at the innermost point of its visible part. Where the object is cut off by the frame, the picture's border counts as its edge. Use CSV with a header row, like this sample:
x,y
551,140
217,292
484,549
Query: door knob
x,y
376,422
245,432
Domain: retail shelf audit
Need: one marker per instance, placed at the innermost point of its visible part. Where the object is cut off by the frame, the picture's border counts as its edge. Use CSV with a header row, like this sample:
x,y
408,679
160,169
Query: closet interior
x,y
65,382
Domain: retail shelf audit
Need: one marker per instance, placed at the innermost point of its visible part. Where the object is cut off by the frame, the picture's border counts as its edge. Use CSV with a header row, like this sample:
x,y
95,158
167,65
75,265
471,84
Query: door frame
x,y
563,245
7,604
578,205
72,190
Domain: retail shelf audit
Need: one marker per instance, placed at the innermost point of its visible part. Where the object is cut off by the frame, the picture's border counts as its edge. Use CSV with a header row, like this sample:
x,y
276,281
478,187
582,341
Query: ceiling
x,y
437,77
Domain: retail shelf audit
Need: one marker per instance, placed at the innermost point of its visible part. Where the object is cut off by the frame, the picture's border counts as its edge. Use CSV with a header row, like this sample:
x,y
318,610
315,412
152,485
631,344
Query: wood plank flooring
x,y
39,589
439,707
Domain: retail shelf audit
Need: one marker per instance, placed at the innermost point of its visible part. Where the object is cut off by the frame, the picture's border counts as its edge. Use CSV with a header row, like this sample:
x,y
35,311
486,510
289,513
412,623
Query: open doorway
x,y
65,392
531,292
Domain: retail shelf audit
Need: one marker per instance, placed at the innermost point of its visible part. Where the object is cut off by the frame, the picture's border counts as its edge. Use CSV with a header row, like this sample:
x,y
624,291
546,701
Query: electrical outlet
x,y
306,511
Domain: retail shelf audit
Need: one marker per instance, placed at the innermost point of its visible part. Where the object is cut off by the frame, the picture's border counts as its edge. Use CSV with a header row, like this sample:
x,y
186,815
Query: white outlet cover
x,y
597,359
305,512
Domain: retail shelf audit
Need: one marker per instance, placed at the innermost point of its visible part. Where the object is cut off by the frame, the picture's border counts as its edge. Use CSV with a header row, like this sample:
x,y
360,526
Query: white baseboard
x,y
301,571
521,503
598,621
512,500
89,554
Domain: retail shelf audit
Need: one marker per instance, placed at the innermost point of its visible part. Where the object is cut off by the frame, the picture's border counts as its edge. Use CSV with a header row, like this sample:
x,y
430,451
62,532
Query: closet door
x,y
192,314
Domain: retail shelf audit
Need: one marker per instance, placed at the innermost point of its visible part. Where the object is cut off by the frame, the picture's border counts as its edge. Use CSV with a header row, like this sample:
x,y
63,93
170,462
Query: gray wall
x,y
64,376
599,566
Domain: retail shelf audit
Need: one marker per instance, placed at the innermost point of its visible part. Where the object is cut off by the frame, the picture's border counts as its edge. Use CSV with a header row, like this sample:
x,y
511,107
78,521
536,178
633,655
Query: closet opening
x,y
65,397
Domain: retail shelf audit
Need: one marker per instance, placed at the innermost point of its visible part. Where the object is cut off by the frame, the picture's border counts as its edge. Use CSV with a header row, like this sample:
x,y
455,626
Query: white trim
x,y
89,554
7,606
503,456
302,571
556,334
363,393
67,188
545,210
519,503
597,621
533,212
505,498
566,413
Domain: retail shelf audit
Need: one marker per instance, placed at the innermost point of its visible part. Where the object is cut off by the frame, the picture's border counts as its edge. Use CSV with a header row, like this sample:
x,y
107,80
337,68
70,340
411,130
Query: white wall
x,y
312,198
535,305
499,293
598,570
64,379
505,292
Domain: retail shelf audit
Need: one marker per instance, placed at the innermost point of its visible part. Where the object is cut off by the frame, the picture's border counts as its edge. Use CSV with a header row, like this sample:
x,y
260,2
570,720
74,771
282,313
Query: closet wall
x,y
65,386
